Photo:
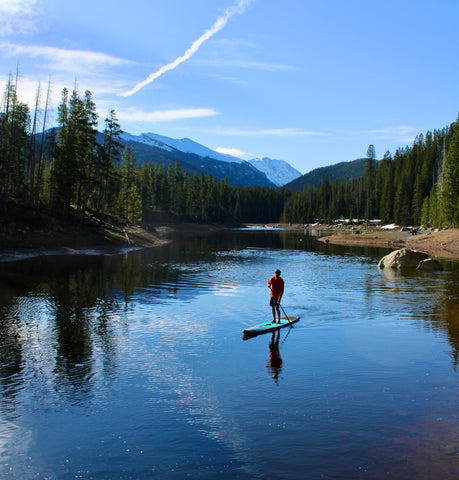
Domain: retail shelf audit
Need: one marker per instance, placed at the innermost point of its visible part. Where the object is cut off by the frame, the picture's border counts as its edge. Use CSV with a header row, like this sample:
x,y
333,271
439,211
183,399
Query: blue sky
x,y
313,83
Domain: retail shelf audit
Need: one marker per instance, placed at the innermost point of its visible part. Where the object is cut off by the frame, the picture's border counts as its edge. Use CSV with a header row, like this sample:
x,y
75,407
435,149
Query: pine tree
x,y
42,164
369,180
386,189
61,180
32,160
87,158
130,203
237,212
324,199
14,131
107,175
450,187
146,185
193,199
417,200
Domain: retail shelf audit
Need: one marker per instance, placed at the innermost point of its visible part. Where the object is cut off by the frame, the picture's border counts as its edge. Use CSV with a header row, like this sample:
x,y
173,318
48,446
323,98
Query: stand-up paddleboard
x,y
270,326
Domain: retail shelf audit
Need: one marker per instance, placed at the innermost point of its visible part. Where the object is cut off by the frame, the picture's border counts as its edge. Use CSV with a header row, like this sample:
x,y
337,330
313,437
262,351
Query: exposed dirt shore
x,y
442,243
437,243
28,242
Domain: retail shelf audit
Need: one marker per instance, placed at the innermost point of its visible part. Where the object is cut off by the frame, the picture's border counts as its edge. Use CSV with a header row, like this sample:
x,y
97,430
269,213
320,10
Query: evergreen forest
x,y
66,170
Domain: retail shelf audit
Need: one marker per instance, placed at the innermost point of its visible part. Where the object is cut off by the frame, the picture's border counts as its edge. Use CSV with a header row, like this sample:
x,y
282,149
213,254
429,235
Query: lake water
x,y
133,366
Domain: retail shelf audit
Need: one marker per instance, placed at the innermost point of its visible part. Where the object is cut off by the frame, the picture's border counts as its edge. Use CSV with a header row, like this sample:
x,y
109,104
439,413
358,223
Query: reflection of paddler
x,y
275,360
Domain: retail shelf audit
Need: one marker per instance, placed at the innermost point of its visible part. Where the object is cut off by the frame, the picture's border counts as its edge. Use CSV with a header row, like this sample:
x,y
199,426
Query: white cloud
x,y
221,21
230,151
28,88
65,67
18,16
65,60
165,115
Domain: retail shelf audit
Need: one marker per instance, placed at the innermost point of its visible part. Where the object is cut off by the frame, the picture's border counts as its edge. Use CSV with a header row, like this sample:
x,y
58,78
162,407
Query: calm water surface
x,y
133,366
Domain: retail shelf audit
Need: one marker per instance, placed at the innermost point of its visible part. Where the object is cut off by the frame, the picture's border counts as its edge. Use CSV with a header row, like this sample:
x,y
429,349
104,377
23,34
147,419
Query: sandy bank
x,y
440,244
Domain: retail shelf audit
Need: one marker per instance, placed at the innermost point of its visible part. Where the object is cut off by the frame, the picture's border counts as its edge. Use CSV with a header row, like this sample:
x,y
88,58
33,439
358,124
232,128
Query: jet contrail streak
x,y
216,27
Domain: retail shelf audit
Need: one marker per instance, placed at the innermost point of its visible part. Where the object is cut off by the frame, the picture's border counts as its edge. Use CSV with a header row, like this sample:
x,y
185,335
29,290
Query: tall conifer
x,y
450,186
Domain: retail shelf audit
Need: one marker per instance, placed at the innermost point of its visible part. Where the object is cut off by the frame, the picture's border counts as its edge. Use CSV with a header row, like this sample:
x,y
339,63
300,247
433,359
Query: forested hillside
x,y
71,173
74,175
341,171
418,185
241,173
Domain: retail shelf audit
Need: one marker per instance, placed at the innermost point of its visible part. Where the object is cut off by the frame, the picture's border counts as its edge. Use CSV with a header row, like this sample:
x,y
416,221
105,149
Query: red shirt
x,y
276,284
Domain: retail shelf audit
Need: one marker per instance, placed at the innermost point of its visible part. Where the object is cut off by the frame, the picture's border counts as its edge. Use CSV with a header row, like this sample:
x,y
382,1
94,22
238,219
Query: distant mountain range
x,y
184,145
193,156
339,171
261,171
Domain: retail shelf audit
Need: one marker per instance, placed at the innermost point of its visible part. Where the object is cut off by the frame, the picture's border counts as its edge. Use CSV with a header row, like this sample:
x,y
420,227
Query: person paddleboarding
x,y
276,287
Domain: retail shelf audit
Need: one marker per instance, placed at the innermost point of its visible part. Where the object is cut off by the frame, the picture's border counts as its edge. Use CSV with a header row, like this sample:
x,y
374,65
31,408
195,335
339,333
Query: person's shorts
x,y
273,302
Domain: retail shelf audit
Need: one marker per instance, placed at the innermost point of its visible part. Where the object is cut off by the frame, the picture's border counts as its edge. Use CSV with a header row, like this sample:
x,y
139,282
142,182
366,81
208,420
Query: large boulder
x,y
402,259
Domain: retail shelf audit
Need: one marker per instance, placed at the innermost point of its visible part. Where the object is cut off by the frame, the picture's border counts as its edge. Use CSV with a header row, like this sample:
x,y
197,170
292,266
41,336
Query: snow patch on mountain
x,y
278,171
185,145
128,137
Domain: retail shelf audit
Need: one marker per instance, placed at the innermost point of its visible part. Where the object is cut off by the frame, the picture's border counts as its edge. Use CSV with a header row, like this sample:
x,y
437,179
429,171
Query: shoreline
x,y
442,244
28,243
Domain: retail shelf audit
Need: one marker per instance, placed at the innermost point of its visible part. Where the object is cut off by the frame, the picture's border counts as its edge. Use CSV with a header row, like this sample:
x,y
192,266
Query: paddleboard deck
x,y
269,326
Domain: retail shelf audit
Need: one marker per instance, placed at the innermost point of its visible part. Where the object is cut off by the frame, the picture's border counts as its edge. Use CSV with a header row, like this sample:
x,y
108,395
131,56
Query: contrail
x,y
221,21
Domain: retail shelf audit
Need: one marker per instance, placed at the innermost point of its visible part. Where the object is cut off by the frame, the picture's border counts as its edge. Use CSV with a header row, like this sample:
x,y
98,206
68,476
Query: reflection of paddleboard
x,y
269,326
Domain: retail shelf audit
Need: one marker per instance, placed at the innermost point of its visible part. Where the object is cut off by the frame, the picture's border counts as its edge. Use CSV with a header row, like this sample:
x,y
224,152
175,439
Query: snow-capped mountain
x,y
185,145
278,171
194,157
274,172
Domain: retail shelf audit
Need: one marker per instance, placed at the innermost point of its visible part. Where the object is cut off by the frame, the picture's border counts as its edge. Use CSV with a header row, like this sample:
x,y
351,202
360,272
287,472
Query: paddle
x,y
286,316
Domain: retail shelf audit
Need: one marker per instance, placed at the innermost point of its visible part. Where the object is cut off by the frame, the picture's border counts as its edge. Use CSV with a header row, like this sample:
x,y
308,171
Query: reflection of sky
x,y
194,400
14,444
32,384
226,290
223,275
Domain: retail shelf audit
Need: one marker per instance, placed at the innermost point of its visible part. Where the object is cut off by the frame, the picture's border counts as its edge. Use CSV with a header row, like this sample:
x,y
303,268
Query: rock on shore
x,y
406,258
401,259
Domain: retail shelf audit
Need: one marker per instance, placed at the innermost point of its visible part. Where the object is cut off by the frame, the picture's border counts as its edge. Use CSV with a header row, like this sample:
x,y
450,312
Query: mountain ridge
x,y
152,149
341,171
260,171
185,145
277,172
